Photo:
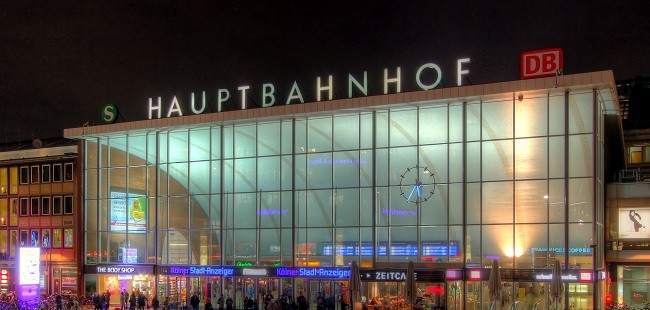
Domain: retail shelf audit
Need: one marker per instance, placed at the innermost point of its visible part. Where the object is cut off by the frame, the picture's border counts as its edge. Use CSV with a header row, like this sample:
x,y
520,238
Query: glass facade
x,y
447,184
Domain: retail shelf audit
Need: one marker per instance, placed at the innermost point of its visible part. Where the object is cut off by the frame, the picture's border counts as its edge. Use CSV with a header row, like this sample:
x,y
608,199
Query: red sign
x,y
540,63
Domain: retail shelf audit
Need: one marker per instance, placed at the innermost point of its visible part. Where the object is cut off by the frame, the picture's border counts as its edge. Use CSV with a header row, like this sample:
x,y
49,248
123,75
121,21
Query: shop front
x,y
386,287
177,284
113,279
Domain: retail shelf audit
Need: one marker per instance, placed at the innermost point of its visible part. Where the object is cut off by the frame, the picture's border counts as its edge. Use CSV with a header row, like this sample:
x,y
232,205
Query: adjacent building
x,y
40,208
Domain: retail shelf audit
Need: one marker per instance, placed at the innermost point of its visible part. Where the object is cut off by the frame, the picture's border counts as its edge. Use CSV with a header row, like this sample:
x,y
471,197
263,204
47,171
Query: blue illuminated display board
x,y
307,272
403,248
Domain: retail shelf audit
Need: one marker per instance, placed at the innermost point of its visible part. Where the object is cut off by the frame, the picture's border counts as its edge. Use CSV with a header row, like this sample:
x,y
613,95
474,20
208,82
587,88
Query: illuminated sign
x,y
198,270
263,272
453,274
633,223
427,76
561,250
540,63
549,276
475,275
337,273
243,264
382,275
397,248
118,269
29,265
586,276
128,213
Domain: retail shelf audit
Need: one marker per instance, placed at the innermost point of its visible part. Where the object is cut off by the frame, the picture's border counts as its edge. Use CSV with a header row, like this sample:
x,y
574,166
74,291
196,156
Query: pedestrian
x,y
229,303
142,301
155,304
194,302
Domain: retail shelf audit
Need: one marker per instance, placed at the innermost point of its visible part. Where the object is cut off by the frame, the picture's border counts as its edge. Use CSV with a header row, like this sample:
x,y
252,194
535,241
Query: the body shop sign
x,y
29,269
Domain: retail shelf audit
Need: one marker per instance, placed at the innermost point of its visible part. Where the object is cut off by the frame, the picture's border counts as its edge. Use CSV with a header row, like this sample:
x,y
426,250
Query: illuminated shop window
x,y
4,181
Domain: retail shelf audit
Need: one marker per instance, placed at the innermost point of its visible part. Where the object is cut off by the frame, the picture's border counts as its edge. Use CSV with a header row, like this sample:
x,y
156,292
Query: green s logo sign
x,y
109,113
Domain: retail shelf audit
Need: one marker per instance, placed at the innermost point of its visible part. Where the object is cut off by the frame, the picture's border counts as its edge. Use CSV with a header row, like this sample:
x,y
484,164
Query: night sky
x,y
62,61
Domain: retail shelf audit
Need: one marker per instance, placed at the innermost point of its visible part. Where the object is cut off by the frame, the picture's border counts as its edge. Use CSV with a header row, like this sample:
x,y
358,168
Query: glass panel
x,y
497,157
199,241
531,161
268,139
199,177
473,161
403,127
346,132
245,175
497,120
529,240
227,142
245,244
365,206
400,240
382,244
531,117
245,210
456,244
178,180
556,114
270,241
473,121
454,201
581,202
434,210
346,202
433,125
268,173
434,158
366,129
178,213
381,134
319,208
300,136
581,158
215,175
581,113
530,202
580,241
91,154
382,174
456,122
178,146
137,150
200,144
319,170
300,172
245,137
199,211
346,169
498,241
319,135
215,144
456,162
271,212
286,174
383,204
117,151
401,211
434,244
497,202
401,159
287,136
316,237
473,196
556,152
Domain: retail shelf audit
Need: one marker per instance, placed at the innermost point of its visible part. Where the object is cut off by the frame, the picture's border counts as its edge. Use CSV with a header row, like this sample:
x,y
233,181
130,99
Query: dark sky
x,y
62,61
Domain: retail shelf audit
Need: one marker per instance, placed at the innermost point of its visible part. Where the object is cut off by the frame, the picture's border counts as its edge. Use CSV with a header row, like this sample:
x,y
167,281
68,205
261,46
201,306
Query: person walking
x,y
194,302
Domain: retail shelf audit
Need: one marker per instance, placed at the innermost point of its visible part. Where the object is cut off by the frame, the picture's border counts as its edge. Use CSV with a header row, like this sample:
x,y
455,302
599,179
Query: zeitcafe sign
x,y
427,76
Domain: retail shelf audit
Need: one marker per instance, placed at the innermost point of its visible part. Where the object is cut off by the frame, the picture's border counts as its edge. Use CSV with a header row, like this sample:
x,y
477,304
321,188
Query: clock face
x,y
417,184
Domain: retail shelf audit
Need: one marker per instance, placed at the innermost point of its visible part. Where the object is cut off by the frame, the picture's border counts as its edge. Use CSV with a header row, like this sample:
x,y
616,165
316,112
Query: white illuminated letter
x,y
396,80
222,96
243,96
363,89
462,72
152,107
320,88
418,76
295,93
174,107
268,92
194,110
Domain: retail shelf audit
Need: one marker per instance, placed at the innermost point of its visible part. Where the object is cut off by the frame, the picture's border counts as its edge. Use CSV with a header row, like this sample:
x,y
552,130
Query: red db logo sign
x,y
540,63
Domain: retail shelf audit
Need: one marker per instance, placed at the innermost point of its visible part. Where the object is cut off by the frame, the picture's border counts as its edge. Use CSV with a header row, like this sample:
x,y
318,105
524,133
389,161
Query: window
x,y
35,205
57,239
45,174
13,211
68,172
13,243
24,237
34,240
45,235
57,172
56,205
68,237
24,175
13,180
24,206
3,213
4,180
35,174
67,205
45,205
